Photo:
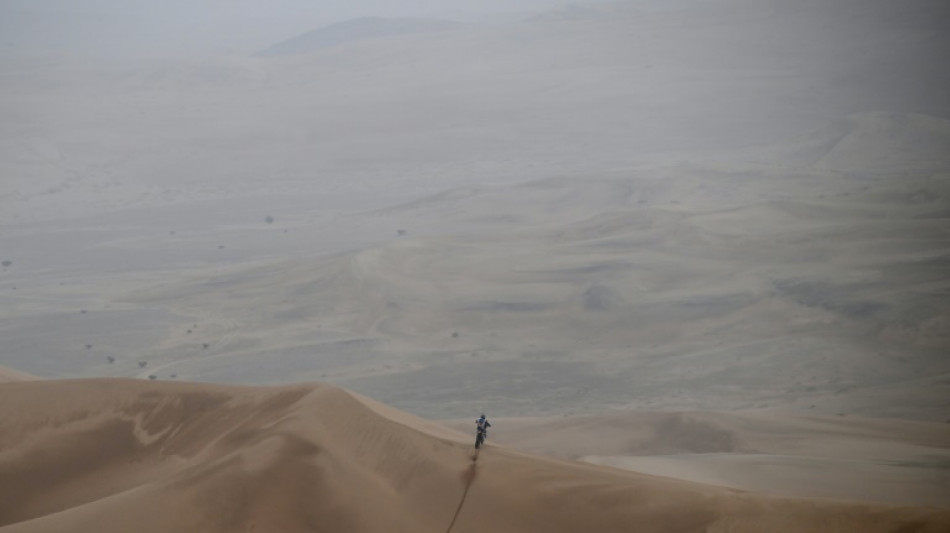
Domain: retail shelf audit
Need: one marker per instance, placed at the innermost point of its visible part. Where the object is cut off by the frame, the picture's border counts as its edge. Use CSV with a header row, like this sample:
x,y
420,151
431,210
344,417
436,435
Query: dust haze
x,y
532,207
528,208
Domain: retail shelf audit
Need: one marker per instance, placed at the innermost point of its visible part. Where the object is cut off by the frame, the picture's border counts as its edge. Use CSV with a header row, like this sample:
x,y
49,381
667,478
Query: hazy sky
x,y
121,28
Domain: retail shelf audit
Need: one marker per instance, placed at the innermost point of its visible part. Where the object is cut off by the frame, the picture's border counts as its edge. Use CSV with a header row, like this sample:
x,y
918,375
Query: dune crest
x,y
120,455
9,374
889,461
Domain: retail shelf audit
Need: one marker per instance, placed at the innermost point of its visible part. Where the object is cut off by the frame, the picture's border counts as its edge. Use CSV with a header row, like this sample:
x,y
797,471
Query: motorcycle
x,y
479,438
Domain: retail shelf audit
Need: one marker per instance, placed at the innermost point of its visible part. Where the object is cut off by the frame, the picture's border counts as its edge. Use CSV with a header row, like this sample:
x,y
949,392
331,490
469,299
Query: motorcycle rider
x,y
482,425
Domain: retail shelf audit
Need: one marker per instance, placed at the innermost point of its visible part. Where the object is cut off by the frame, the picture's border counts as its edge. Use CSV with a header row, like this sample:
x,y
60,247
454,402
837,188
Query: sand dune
x,y
9,374
121,455
851,458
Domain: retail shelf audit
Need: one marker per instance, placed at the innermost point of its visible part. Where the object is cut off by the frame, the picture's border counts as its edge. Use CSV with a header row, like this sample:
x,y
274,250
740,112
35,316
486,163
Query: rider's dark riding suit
x,y
482,424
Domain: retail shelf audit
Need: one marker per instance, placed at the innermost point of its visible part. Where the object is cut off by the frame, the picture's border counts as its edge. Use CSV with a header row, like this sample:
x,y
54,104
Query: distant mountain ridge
x,y
613,9
358,29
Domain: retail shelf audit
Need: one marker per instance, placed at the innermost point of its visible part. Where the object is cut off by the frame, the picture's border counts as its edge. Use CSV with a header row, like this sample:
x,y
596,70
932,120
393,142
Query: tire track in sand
x,y
468,477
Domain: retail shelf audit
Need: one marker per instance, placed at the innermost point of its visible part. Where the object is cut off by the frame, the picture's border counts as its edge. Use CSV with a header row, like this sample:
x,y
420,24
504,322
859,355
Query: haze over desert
x,y
261,266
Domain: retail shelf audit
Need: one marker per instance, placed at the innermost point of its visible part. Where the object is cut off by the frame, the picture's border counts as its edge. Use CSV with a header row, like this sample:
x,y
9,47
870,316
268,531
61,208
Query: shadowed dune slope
x,y
122,455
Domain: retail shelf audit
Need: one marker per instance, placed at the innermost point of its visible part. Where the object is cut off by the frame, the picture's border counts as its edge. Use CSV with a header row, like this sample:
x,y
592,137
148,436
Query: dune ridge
x,y
120,455
9,374
891,461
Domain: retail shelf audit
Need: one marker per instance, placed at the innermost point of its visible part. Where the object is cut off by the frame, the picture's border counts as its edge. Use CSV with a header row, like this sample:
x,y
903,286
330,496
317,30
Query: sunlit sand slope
x,y
118,456
9,374
883,460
